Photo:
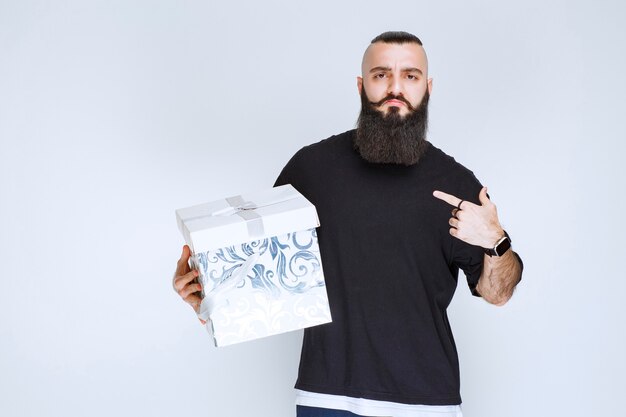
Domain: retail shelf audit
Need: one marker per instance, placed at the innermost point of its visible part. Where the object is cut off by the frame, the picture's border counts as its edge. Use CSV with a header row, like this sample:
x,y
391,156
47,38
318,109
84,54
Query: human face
x,y
395,76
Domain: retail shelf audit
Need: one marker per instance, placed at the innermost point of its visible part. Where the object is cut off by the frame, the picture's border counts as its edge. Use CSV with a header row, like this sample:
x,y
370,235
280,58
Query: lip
x,y
394,102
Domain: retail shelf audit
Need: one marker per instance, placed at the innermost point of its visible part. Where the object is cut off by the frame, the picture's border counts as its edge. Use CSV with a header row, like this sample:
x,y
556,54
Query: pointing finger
x,y
448,198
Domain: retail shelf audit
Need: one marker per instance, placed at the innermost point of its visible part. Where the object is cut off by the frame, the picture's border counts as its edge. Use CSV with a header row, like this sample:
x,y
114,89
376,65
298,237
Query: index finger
x,y
448,198
182,267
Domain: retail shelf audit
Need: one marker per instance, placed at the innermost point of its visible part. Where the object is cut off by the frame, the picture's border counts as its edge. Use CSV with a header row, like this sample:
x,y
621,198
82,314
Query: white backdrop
x,y
115,113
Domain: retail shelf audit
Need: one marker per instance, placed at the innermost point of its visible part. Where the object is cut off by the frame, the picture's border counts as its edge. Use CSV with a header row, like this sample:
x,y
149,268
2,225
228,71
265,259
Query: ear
x,y
359,84
430,86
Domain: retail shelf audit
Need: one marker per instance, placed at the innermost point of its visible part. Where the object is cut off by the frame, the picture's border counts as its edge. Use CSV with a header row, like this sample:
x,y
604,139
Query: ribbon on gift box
x,y
217,296
246,210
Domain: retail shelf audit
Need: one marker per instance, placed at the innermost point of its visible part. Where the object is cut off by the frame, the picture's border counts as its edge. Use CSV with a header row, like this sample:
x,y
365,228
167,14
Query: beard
x,y
391,138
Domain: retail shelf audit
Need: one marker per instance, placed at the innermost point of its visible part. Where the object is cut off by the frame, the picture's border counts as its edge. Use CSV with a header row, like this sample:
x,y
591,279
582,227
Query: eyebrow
x,y
410,69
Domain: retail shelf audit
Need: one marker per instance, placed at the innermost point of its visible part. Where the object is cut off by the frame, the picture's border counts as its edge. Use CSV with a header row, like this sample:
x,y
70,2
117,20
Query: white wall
x,y
115,113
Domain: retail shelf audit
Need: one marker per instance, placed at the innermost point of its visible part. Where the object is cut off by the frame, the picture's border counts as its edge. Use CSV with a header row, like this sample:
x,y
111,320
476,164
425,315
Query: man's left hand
x,y
475,224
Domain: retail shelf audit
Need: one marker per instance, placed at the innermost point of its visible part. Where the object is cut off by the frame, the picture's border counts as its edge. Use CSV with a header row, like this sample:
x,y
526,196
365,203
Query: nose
x,y
395,86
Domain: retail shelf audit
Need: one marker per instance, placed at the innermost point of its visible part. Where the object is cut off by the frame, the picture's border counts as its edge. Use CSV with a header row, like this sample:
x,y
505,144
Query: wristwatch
x,y
501,246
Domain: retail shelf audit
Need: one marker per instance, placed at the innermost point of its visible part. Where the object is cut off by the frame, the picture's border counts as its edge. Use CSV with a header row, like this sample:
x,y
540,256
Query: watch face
x,y
503,246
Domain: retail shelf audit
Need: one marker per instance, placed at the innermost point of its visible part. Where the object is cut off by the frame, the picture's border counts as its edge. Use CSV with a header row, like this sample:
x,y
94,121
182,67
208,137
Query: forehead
x,y
394,55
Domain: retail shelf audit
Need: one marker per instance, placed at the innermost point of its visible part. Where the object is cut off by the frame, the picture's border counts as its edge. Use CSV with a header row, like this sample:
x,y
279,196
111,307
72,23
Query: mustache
x,y
392,97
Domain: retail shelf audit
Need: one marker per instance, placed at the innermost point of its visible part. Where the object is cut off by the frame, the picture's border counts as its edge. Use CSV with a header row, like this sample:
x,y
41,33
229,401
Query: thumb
x,y
482,196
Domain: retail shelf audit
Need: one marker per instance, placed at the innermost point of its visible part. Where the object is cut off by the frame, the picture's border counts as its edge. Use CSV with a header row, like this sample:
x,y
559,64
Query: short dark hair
x,y
397,37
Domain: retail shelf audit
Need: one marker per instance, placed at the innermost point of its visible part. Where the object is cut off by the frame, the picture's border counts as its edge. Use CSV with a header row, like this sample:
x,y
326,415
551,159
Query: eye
x,y
380,75
412,77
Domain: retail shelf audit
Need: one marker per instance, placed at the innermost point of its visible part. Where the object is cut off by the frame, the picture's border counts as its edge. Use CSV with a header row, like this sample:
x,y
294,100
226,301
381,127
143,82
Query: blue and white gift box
x,y
259,264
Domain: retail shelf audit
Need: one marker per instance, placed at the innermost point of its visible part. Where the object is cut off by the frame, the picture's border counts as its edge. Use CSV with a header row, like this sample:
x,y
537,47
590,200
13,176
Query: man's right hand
x,y
185,282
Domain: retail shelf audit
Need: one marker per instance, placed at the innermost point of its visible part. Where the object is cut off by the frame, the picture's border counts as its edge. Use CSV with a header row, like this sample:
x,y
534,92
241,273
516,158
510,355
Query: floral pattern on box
x,y
283,287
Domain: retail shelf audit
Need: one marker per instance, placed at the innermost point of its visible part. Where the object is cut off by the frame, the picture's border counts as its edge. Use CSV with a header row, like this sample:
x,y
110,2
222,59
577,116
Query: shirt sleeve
x,y
282,178
469,259
289,174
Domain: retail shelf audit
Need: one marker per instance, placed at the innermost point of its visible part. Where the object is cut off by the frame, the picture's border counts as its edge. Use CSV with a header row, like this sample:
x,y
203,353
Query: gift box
x,y
259,264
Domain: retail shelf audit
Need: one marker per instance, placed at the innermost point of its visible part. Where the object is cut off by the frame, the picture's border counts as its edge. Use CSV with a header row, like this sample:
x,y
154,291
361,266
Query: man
x,y
399,218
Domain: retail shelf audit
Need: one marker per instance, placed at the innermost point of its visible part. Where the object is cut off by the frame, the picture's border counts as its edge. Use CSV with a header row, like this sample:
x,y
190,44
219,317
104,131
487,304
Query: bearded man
x,y
399,218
